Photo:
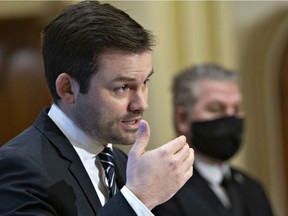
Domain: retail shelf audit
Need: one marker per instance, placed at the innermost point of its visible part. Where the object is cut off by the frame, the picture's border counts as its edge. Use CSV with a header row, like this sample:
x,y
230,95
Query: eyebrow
x,y
150,74
129,79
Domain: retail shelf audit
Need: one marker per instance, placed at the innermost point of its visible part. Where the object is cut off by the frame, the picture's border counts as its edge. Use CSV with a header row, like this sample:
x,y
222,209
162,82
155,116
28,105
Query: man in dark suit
x,y
97,64
208,110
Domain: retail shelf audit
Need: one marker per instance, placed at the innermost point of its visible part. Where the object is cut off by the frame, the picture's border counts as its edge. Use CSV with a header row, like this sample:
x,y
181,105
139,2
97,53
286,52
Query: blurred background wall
x,y
249,37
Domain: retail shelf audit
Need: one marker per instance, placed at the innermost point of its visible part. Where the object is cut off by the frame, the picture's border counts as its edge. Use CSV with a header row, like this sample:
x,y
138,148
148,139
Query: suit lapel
x,y
61,143
78,171
209,197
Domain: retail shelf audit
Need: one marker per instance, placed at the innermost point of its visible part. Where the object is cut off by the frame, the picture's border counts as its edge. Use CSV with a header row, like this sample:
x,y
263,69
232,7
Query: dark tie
x,y
234,194
107,160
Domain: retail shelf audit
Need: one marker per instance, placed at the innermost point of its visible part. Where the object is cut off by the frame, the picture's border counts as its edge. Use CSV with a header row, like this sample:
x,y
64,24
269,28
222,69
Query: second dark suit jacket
x,y
41,174
196,198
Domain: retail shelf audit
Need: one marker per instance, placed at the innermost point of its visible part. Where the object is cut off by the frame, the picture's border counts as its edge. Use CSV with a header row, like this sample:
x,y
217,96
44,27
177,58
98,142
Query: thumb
x,y
142,138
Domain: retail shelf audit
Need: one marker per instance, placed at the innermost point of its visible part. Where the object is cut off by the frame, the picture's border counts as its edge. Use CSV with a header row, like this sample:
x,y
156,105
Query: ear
x,y
181,118
66,88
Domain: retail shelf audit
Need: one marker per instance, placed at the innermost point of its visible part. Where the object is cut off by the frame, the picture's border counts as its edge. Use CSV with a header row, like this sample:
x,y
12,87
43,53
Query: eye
x,y
146,81
122,88
216,108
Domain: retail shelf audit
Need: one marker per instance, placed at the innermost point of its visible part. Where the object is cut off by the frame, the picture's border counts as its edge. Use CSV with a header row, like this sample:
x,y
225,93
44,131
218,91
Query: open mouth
x,y
132,124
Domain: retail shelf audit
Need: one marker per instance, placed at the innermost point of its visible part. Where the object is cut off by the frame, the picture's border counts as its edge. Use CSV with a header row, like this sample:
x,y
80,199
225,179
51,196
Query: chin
x,y
129,139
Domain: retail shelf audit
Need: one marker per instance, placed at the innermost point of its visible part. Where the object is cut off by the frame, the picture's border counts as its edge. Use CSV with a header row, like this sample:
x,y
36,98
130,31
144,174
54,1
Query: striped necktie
x,y
107,160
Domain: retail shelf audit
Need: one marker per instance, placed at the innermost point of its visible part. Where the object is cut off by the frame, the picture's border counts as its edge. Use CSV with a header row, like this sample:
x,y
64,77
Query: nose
x,y
139,102
230,111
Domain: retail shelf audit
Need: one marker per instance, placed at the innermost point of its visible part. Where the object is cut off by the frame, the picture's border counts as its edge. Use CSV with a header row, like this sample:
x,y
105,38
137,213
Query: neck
x,y
208,159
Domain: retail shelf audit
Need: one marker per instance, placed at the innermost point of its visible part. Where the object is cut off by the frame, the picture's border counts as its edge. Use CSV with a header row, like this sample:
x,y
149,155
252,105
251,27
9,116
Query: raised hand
x,y
155,176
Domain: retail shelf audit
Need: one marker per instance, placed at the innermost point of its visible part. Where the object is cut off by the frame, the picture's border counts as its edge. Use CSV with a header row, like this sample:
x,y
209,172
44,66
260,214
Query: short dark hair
x,y
76,39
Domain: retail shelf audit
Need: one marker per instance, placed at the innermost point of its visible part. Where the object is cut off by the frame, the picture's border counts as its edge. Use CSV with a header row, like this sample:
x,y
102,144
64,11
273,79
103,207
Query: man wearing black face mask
x,y
208,110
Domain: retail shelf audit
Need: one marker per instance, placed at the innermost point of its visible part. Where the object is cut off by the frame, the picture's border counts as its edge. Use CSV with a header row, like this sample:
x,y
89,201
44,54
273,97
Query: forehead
x,y
221,91
118,64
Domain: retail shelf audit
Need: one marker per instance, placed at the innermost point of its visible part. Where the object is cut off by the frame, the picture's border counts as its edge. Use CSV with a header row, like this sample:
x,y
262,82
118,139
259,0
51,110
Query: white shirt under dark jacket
x,y
88,149
214,174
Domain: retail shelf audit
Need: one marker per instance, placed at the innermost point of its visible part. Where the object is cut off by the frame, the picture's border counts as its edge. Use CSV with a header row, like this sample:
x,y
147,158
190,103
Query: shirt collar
x,y
213,173
78,138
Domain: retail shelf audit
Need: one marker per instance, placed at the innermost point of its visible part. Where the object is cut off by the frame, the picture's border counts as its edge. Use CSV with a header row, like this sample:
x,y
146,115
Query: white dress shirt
x,y
88,149
213,174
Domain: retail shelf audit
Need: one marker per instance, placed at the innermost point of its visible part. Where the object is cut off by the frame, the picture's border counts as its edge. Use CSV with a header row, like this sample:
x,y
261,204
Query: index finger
x,y
175,145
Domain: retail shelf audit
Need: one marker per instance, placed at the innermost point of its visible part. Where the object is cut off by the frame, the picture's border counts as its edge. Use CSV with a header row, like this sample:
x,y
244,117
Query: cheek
x,y
116,107
110,104
197,113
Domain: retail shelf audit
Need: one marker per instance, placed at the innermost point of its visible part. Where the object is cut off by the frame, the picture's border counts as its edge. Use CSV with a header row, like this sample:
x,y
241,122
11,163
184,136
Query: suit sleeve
x,y
116,206
21,191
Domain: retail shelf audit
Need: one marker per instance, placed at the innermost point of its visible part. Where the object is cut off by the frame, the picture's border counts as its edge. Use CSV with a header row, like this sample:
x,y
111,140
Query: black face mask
x,y
219,138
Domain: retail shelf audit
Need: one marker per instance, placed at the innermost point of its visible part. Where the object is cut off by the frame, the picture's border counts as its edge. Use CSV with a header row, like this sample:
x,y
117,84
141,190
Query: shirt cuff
x,y
135,203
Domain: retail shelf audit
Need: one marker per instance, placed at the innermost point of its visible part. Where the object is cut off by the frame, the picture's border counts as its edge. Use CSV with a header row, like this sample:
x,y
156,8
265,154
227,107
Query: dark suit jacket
x,y
41,174
196,198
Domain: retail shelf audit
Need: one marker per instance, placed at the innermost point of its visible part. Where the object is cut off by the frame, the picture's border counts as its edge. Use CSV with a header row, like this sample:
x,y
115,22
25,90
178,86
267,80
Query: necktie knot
x,y
106,158
107,161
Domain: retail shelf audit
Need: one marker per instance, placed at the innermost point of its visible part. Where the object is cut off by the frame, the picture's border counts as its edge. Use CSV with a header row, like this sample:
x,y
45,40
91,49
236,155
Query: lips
x,y
132,124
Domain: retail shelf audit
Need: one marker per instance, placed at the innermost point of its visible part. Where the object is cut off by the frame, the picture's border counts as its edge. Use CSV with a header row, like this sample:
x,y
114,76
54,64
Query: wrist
x,y
148,201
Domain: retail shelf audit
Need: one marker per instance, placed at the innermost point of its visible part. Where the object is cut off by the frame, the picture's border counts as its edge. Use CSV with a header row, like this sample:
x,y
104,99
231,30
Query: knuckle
x,y
173,164
163,152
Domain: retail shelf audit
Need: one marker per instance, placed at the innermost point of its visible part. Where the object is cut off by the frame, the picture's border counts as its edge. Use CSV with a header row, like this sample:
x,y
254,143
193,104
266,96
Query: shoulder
x,y
247,181
241,175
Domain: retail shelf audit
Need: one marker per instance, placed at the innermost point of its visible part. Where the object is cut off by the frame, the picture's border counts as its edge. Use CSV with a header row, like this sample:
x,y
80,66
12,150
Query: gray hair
x,y
185,84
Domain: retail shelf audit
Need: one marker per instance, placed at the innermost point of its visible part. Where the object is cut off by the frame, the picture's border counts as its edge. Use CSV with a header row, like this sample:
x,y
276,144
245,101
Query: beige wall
x,y
261,36
223,32
242,35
